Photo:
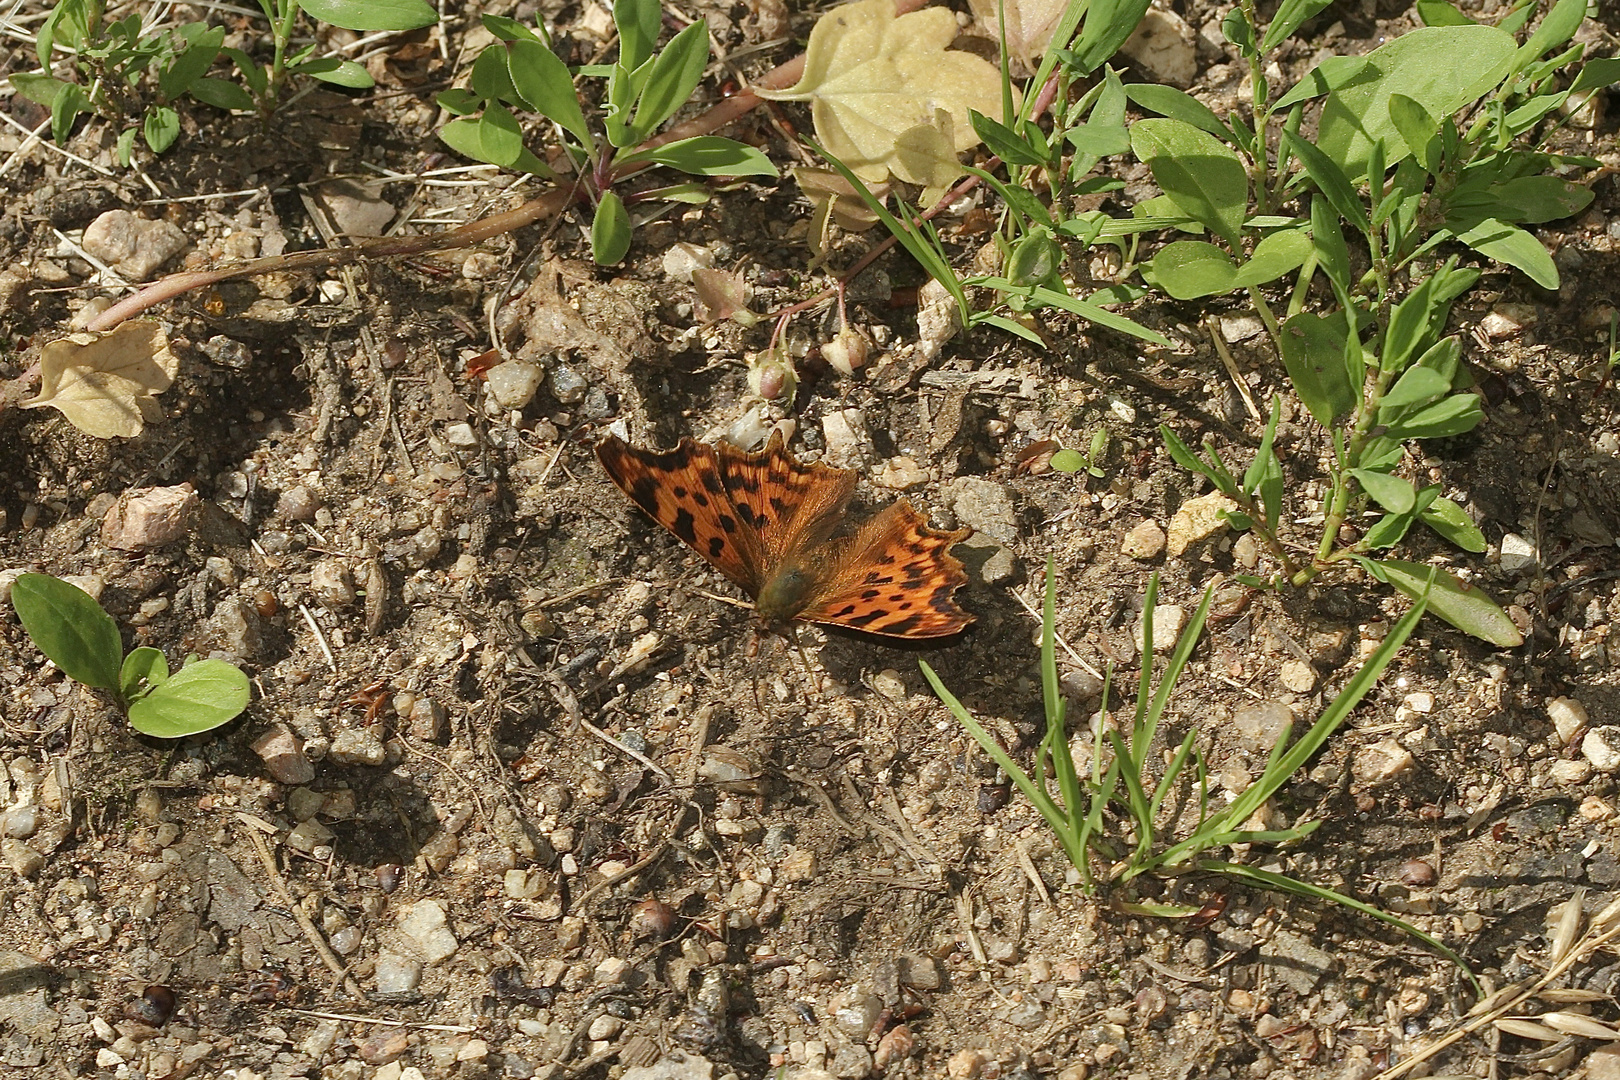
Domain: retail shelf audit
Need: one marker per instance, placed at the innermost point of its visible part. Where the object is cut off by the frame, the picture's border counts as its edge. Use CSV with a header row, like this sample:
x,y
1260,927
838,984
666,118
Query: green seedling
x,y
127,69
70,628
1073,461
1081,810
643,89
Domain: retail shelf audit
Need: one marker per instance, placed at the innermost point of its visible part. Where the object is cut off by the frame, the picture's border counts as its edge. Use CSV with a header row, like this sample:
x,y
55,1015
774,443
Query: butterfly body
x,y
785,593
778,528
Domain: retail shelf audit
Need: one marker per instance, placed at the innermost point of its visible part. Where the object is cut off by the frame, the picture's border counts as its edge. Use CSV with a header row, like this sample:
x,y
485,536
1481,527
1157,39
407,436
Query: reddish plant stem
x,y
540,208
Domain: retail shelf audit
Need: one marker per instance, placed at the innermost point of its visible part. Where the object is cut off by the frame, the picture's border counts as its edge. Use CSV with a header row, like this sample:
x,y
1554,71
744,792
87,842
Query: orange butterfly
x,y
776,527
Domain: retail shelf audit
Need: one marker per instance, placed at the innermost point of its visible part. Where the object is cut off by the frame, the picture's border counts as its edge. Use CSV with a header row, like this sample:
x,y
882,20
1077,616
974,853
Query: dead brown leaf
x,y
872,79
105,383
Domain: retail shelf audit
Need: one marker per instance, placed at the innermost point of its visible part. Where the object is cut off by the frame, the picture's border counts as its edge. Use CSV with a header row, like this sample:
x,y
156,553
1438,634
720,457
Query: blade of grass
x,y
1283,883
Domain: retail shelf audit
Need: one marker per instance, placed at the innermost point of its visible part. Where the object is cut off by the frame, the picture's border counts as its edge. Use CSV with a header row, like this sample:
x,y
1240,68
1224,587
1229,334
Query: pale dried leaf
x,y
1495,999
1572,995
925,155
721,294
1608,918
834,201
871,77
1573,1023
105,383
1568,926
1029,26
1525,1029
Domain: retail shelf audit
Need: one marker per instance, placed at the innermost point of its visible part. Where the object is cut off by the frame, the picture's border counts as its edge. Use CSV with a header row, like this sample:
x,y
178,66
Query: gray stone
x,y
677,1065
1258,727
134,246
1296,961
424,923
283,755
985,505
358,746
852,1062
512,385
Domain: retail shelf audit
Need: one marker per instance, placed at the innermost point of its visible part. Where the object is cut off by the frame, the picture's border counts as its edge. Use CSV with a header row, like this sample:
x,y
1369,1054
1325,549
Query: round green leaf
x,y
372,14
329,69
144,668
1393,493
1203,177
199,697
610,230
222,94
69,627
1189,269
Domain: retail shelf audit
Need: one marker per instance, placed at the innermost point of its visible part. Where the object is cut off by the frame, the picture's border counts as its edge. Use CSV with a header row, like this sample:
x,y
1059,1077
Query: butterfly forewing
x,y
894,577
683,490
792,505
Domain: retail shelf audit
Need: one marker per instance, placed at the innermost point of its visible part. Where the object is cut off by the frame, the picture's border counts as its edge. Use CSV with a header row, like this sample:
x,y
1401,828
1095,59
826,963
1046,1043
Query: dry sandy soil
x,y
554,814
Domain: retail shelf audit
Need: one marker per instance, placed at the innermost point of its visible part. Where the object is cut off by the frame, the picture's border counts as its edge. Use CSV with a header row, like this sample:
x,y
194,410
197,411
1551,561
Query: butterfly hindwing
x,y
896,577
683,490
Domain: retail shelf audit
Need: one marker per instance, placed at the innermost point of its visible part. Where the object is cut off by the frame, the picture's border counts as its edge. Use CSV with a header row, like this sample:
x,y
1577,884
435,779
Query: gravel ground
x,y
522,793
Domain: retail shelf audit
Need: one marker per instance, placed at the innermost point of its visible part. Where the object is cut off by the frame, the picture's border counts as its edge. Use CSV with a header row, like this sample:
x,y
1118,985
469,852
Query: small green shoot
x,y
70,628
1073,461
644,89
135,74
1080,809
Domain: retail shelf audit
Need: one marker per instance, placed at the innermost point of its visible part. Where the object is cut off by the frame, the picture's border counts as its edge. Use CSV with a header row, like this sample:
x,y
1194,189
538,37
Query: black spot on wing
x,y
679,491
717,545
778,505
727,523
700,499
644,493
745,514
905,625
869,617
683,526
712,483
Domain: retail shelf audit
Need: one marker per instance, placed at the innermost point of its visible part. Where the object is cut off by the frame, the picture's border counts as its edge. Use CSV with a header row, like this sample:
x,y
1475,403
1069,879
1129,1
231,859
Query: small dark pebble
x,y
395,997
508,984
1417,873
154,1007
653,919
272,987
993,797
390,876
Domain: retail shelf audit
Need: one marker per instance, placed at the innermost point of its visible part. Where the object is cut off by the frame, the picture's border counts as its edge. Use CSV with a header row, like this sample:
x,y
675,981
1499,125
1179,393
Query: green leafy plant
x,y
1428,140
70,628
1082,810
126,69
1434,139
643,89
